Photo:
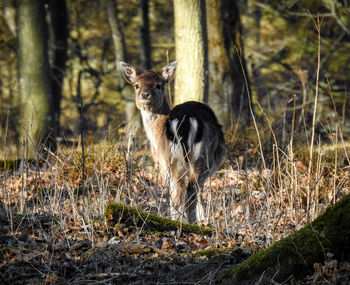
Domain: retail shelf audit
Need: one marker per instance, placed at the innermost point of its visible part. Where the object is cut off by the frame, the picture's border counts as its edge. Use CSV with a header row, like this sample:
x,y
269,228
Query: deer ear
x,y
168,71
128,71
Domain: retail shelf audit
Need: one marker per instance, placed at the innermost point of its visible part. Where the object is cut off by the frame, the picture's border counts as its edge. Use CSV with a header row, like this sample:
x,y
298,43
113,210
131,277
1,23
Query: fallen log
x,y
117,213
295,256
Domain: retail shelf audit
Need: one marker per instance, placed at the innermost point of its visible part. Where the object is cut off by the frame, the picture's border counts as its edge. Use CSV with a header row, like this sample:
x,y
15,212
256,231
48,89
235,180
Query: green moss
x,y
117,226
296,254
212,253
97,222
120,213
5,249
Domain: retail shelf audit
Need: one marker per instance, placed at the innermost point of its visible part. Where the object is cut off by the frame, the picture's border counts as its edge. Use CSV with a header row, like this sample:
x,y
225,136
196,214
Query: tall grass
x,y
253,206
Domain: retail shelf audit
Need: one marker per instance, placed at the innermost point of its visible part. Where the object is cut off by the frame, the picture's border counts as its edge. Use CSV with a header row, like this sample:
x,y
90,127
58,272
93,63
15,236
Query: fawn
x,y
187,142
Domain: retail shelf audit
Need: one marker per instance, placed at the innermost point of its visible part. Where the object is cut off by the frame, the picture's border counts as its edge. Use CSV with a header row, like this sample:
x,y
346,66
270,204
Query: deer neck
x,y
153,122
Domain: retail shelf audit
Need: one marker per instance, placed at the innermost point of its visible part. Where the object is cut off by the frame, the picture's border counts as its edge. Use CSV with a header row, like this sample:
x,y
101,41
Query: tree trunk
x,y
146,56
59,25
234,47
118,37
296,254
121,54
36,123
131,113
191,82
220,77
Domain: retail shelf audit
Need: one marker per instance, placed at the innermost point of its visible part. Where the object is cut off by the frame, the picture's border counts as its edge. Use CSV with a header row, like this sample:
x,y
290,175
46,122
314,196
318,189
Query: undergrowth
x,y
246,204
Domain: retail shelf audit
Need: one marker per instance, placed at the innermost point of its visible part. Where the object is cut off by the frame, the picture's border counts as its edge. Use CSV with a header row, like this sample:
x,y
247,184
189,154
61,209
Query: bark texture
x,y
121,54
117,33
234,46
59,25
191,82
35,91
220,77
145,36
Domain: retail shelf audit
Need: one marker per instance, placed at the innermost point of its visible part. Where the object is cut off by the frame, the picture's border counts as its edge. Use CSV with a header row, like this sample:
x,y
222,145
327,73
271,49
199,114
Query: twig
x,y
169,88
250,106
318,28
83,154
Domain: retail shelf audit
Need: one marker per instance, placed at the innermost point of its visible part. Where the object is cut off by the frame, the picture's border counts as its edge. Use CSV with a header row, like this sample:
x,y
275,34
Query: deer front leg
x,y
177,199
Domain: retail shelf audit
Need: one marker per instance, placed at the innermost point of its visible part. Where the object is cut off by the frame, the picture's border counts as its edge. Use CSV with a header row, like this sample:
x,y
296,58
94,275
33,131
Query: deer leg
x,y
193,197
191,202
177,199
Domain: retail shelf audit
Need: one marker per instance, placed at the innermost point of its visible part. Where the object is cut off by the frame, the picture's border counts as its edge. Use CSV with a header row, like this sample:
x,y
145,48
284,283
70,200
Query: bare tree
x,y
191,82
60,31
117,33
234,47
36,124
131,114
220,74
146,52
121,54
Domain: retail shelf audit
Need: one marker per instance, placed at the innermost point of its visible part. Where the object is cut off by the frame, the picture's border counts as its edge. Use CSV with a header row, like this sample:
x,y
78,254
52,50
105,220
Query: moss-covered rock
x,y
216,252
296,254
119,213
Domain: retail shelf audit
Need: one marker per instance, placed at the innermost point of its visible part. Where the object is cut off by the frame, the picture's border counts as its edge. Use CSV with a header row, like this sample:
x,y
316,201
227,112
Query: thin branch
x,y
335,16
318,28
250,105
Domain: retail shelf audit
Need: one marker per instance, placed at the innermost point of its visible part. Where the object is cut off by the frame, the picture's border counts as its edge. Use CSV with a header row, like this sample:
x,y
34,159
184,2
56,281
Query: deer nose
x,y
145,95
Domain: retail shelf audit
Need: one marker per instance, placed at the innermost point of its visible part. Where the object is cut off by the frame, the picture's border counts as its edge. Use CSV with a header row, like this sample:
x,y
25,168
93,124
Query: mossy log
x,y
296,254
116,213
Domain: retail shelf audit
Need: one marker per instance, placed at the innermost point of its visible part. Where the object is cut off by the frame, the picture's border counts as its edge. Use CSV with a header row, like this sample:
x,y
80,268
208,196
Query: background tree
x,y
9,111
35,90
220,74
191,82
131,112
278,41
118,37
234,44
281,48
145,37
59,43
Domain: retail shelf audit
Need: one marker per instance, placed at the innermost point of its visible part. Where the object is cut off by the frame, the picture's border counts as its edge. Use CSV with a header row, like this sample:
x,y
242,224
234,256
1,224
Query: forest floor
x,y
39,252
53,230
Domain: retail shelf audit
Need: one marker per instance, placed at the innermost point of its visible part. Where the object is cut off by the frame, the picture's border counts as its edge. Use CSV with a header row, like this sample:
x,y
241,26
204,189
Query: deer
x,y
187,141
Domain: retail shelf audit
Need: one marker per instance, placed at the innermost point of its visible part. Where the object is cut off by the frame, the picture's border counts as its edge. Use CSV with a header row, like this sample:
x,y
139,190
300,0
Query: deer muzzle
x,y
145,98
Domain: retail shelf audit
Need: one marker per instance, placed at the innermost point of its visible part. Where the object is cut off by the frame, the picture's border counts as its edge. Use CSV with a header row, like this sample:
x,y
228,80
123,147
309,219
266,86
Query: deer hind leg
x,y
208,166
177,198
191,202
194,203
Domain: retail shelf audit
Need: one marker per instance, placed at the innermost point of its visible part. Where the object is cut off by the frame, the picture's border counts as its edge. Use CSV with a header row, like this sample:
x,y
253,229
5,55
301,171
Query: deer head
x,y
149,85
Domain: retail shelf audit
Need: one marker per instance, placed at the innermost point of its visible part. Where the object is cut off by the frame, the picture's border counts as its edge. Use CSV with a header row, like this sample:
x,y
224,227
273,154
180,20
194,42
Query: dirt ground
x,y
34,255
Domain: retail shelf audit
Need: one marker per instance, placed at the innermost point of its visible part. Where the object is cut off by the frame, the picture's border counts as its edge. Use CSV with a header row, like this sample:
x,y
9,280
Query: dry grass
x,y
247,206
52,214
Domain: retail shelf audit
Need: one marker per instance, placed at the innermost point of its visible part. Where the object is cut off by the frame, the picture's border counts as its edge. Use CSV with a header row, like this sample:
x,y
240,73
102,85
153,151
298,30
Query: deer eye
x,y
137,86
159,86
